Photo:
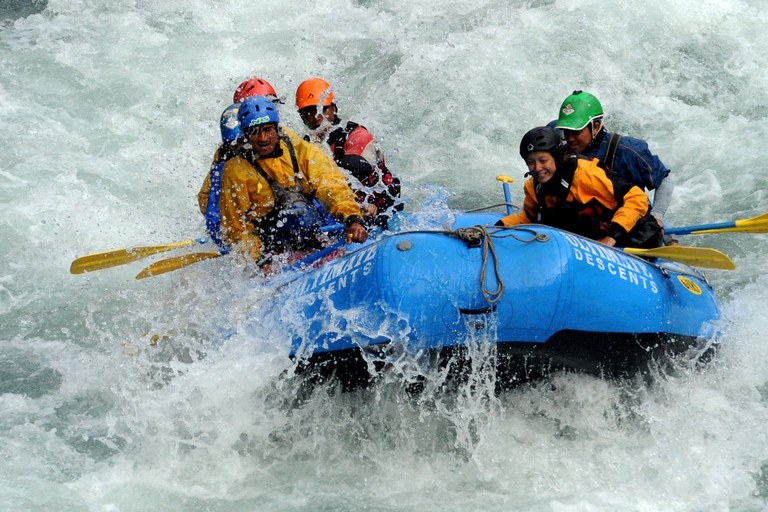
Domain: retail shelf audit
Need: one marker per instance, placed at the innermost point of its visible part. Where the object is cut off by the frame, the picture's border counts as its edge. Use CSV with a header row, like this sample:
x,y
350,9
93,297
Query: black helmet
x,y
543,138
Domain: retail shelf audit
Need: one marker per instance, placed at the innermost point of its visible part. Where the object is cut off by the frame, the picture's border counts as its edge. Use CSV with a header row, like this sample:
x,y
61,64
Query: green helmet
x,y
578,110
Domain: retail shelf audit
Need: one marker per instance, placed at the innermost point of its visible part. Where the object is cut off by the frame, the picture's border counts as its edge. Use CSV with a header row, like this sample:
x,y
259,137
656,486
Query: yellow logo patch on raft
x,y
689,285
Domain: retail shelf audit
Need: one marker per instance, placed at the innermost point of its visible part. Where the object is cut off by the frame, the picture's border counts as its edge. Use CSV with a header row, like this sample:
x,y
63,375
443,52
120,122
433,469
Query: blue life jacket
x,y
633,161
212,211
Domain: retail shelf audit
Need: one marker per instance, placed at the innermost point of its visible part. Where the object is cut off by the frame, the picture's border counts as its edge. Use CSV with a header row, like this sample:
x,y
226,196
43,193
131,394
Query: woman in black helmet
x,y
575,193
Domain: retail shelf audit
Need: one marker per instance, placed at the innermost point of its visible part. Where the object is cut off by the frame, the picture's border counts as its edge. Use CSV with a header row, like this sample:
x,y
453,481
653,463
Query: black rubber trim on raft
x,y
481,311
611,355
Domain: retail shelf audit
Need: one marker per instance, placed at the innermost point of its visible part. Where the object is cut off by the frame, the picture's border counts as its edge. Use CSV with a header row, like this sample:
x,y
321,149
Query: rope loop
x,y
476,236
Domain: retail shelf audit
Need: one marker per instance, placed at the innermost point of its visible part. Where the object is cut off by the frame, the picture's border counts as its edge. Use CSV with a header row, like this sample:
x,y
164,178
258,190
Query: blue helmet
x,y
229,124
257,110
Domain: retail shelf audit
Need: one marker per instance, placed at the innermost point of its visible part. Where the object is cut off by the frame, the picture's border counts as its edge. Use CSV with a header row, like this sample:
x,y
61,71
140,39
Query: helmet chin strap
x,y
593,142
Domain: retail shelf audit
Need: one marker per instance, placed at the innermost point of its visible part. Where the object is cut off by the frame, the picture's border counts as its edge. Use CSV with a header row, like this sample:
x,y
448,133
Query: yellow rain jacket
x,y
205,190
247,197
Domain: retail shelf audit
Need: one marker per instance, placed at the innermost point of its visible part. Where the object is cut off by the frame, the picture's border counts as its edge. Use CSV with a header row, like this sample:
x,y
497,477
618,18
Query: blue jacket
x,y
634,161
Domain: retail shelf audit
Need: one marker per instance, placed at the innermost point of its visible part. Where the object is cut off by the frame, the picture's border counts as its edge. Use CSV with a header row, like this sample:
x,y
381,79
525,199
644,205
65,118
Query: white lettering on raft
x,y
614,262
338,274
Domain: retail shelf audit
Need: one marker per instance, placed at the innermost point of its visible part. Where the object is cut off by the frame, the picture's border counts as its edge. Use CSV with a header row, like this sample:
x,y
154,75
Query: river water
x,y
166,393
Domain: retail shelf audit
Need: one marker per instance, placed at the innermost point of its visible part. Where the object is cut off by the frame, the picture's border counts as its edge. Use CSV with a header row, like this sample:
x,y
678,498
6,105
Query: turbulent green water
x,y
110,116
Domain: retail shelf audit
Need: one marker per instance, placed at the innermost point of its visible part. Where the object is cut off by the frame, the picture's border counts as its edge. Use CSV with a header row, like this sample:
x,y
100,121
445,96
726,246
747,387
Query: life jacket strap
x,y
613,146
294,161
338,139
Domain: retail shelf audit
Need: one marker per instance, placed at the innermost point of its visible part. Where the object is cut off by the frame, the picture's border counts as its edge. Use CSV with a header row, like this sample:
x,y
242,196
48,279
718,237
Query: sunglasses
x,y
309,112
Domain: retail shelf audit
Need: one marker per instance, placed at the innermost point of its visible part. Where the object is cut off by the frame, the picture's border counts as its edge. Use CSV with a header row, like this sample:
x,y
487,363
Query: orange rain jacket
x,y
614,204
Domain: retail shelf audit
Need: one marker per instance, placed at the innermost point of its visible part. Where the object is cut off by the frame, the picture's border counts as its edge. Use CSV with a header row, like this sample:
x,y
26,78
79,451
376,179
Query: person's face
x,y
312,119
263,138
578,140
542,165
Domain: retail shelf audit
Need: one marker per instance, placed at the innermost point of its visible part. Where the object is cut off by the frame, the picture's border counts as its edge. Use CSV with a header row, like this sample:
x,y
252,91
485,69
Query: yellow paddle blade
x,y
757,224
694,256
175,263
109,259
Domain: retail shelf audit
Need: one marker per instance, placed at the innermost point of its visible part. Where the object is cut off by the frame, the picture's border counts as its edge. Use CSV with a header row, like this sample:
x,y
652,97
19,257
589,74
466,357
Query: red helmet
x,y
253,87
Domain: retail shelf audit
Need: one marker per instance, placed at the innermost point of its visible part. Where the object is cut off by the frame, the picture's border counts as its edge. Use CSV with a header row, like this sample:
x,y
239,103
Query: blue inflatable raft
x,y
549,300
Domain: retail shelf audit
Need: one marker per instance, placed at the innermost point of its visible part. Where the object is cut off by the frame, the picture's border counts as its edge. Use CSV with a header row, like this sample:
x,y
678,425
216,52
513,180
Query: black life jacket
x,y
337,139
368,175
591,220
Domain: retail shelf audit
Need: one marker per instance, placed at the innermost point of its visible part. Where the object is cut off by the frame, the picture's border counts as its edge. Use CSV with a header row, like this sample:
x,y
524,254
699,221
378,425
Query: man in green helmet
x,y
581,121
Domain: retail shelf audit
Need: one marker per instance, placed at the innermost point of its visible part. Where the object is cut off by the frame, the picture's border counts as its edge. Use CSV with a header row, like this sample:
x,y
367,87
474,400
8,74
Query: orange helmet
x,y
253,87
311,91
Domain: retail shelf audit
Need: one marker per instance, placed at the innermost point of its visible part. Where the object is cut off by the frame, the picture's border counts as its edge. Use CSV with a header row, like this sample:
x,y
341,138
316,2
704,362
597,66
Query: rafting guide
x,y
580,120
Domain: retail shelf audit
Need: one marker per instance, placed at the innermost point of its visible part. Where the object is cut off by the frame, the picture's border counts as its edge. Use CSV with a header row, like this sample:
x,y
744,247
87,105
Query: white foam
x,y
110,118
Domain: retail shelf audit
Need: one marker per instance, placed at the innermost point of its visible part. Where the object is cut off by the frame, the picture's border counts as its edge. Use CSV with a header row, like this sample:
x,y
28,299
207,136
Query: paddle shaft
x,y
505,181
171,264
118,257
688,230
316,256
757,224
